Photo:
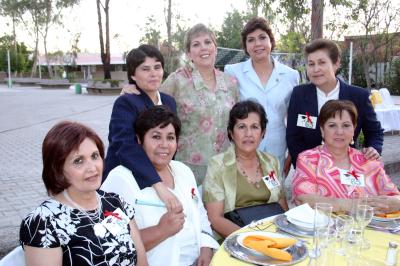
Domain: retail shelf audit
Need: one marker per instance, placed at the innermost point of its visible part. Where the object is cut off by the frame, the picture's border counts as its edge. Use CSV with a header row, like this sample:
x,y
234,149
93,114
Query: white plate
x,y
382,219
304,225
242,236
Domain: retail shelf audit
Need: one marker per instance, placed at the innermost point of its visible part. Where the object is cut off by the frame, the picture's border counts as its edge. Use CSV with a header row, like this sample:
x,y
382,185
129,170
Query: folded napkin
x,y
305,214
270,246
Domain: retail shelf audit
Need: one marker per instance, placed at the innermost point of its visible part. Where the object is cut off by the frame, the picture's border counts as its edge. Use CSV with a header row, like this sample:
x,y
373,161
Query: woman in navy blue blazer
x,y
145,69
303,132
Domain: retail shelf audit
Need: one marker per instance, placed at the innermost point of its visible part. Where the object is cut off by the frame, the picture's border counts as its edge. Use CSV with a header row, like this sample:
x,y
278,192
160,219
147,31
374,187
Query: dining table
x,y
373,256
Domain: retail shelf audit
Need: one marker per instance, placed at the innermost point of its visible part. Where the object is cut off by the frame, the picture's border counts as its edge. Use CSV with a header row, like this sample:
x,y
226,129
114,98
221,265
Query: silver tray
x,y
284,225
298,251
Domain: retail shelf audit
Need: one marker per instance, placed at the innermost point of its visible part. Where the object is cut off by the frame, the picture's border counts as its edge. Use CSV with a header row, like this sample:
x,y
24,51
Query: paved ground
x,y
26,114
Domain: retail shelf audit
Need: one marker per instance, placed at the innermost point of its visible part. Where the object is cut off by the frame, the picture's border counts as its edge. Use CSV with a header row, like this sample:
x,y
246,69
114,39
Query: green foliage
x,y
229,36
178,37
394,79
114,83
291,42
19,58
152,33
360,142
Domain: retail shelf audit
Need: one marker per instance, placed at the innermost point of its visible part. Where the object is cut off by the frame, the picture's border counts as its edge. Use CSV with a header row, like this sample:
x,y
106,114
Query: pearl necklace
x,y
99,229
255,180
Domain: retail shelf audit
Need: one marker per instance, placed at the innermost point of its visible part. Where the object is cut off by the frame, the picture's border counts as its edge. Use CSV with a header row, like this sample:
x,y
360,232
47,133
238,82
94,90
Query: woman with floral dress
x,y
79,225
203,102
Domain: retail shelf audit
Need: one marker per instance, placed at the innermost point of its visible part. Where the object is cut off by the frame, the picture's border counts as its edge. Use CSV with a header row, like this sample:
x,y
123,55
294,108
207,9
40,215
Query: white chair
x,y
15,258
387,100
387,113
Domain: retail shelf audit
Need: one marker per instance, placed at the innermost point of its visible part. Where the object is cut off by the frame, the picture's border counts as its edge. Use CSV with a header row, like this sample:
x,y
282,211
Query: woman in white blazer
x,y
182,236
269,82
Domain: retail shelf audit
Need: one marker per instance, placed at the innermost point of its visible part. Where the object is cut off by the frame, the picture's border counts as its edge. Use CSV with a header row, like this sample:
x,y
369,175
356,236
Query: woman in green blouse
x,y
241,176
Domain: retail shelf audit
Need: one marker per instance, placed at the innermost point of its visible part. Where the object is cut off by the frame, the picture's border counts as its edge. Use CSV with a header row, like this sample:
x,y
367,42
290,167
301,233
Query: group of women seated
x,y
149,209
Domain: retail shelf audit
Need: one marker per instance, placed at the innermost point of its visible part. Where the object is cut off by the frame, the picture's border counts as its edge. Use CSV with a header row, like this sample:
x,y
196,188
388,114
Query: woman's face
x,y
258,45
320,68
148,75
338,131
160,145
83,167
202,50
247,133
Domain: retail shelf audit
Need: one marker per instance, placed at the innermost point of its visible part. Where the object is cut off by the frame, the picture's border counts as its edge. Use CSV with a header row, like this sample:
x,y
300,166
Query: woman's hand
x,y
169,199
185,71
129,89
205,256
172,221
384,204
370,153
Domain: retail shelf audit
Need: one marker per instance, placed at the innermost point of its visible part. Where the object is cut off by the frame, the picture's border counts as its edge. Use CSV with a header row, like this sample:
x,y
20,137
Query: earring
x,y
352,142
322,141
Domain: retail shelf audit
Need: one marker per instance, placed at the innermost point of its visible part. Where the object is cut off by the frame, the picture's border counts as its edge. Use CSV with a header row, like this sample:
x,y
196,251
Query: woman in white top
x,y
270,82
181,236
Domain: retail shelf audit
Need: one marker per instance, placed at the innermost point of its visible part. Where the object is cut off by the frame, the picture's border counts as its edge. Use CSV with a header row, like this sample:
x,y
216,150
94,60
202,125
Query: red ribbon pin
x,y
116,215
193,193
272,175
354,174
309,118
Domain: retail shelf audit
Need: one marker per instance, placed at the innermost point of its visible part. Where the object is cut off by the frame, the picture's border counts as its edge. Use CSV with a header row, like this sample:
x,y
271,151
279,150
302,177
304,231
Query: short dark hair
x,y
158,115
333,107
196,30
331,47
255,24
241,110
138,55
60,141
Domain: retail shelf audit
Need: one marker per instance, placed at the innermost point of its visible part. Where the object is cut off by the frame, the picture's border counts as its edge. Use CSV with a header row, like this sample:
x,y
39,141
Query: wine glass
x,y
343,224
322,218
364,217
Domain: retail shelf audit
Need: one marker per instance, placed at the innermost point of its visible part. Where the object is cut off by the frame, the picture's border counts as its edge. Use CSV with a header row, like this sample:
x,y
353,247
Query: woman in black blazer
x,y
145,66
303,132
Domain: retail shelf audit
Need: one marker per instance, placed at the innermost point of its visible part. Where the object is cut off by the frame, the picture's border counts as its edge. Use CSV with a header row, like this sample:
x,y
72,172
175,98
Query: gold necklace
x,y
255,180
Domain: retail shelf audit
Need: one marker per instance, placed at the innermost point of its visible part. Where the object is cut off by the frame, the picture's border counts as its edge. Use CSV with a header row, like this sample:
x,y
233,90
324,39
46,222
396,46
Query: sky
x,y
127,18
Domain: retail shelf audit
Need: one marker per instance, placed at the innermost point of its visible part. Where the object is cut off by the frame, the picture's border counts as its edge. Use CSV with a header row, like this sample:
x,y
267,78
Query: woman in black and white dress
x,y
78,225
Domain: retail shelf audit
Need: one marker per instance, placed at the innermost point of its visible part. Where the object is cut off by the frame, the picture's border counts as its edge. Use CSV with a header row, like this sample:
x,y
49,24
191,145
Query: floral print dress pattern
x,y
54,224
204,114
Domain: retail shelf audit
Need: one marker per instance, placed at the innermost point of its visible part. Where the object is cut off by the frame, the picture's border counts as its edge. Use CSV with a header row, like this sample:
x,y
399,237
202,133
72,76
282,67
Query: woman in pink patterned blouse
x,y
333,171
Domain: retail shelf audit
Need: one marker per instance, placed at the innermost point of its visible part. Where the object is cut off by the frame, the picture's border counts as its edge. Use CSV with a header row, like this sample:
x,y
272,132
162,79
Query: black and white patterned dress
x,y
54,224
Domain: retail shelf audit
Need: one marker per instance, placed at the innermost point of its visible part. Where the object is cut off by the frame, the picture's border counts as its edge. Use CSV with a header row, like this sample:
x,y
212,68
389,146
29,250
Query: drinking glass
x,y
322,219
364,217
353,242
327,237
356,199
343,224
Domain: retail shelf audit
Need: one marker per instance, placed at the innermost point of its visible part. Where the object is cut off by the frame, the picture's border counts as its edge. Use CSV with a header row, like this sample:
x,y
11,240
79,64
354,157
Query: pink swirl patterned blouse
x,y
317,174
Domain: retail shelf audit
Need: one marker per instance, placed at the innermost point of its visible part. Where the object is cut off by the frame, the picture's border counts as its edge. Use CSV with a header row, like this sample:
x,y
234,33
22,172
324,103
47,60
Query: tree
x,y
51,16
168,21
33,9
291,42
104,47
152,34
9,8
19,57
233,23
375,18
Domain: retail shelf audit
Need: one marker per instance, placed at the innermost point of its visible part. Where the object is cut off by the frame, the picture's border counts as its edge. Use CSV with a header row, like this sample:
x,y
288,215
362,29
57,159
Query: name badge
x,y
115,221
271,181
351,178
306,121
